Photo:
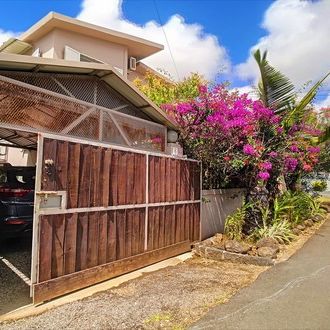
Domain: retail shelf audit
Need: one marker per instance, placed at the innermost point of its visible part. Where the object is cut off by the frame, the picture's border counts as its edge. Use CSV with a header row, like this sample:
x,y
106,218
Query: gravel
x,y
173,297
14,292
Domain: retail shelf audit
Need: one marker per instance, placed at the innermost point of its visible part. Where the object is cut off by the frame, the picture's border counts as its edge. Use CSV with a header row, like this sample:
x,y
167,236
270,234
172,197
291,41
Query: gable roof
x,y
104,72
137,47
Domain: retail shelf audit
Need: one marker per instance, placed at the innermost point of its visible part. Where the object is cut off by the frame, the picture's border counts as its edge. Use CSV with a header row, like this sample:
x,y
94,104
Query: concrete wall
x,y
216,206
53,43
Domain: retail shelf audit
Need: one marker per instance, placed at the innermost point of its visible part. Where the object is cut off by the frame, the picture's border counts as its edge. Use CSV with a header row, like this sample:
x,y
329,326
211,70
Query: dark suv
x,y
16,200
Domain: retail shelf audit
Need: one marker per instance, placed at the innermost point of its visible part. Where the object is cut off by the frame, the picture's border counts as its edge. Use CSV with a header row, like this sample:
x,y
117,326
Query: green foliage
x,y
164,90
275,89
234,222
279,230
320,185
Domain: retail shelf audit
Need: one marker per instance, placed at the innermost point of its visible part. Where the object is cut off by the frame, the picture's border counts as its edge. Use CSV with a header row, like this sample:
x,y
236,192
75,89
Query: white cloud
x,y
193,50
5,35
248,89
297,41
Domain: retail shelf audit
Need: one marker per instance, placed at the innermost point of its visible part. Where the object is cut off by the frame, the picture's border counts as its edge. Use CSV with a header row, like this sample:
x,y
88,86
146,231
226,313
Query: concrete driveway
x,y
15,256
294,294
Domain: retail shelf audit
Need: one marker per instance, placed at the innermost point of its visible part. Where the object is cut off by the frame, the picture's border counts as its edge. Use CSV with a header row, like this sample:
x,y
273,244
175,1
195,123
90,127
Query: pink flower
x,y
307,168
314,150
290,164
294,148
273,154
266,165
249,150
263,176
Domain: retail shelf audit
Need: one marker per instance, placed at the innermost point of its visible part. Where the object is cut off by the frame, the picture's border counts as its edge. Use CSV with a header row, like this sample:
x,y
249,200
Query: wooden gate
x,y
104,211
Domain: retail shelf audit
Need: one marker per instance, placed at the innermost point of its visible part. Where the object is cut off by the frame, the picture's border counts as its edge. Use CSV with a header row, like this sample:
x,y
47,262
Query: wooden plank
x,y
197,182
48,181
135,231
93,239
168,222
151,179
73,174
150,229
156,182
143,176
173,180
85,176
103,238
187,220
120,236
95,180
168,180
58,222
70,243
122,178
177,213
106,168
112,237
173,224
129,232
196,236
114,178
62,160
156,228
82,239
142,233
161,240
45,248
68,283
129,178
162,179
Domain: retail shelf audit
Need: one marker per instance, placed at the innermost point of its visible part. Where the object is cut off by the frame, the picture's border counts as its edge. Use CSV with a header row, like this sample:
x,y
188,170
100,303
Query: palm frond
x,y
298,112
325,136
275,89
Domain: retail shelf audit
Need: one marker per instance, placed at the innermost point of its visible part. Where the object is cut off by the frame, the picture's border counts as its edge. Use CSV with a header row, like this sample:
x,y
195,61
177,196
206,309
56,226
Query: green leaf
x,y
275,89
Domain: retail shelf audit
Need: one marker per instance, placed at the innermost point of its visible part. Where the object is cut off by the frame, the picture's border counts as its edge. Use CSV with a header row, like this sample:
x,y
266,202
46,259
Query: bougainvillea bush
x,y
240,142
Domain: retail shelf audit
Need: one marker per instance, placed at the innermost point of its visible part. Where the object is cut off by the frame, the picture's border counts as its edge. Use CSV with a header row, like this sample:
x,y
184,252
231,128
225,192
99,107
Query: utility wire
x,y
168,44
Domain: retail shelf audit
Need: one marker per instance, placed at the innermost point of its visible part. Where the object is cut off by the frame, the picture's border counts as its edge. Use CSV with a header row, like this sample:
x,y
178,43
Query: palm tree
x,y
276,91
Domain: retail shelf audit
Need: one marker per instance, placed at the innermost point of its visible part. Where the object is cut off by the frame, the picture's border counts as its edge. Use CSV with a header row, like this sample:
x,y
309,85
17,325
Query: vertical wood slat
x,y
112,236
92,240
151,179
106,168
162,179
114,169
168,180
70,242
120,233
85,176
128,233
141,179
73,175
95,180
62,160
103,238
45,251
82,241
57,256
122,177
130,176
48,182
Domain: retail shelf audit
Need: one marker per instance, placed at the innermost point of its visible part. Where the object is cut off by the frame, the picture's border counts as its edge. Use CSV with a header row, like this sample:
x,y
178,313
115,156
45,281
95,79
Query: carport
x,y
108,199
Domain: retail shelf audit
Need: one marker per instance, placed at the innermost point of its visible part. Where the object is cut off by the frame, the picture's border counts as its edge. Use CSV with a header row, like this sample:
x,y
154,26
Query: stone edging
x,y
220,255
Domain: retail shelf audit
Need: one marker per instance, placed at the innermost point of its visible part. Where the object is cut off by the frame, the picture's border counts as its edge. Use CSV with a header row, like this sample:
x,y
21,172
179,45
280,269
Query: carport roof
x,y
104,72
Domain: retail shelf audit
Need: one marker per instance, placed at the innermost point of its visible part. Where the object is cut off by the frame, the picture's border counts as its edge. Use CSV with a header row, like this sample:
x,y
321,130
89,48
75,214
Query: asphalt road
x,y
292,295
14,292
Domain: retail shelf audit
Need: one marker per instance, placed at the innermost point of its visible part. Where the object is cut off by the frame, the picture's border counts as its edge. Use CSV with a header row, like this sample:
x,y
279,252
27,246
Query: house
x,y
68,56
110,195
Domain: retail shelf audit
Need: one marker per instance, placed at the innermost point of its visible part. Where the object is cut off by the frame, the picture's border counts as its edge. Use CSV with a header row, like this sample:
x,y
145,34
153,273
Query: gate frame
x,y
38,193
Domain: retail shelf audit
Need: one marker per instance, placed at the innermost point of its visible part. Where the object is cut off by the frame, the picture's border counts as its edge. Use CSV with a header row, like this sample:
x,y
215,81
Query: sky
x,y
213,37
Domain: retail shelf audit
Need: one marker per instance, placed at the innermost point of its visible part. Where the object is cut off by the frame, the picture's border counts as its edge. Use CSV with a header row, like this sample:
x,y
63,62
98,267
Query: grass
x,y
324,199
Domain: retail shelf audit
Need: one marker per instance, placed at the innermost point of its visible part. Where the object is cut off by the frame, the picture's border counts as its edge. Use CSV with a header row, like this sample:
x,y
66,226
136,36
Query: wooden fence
x,y
120,210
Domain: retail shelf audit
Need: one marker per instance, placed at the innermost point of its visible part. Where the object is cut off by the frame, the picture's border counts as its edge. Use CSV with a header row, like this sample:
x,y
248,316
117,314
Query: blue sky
x,y
295,32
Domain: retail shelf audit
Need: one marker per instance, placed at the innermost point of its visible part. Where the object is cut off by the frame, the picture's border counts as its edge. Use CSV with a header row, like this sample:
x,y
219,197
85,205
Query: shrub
x,y
234,222
320,185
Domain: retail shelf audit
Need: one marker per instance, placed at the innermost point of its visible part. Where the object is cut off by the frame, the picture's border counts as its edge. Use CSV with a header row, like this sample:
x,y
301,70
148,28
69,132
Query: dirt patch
x,y
169,298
